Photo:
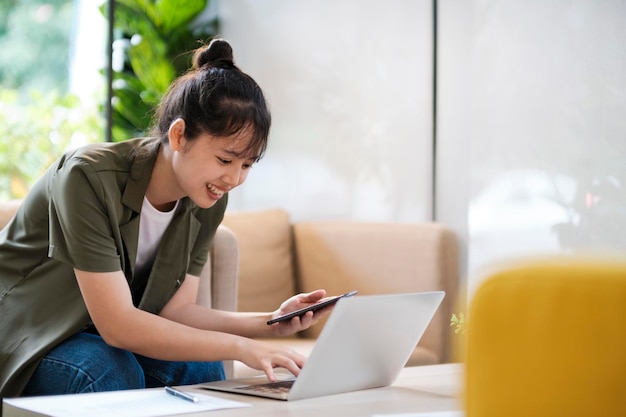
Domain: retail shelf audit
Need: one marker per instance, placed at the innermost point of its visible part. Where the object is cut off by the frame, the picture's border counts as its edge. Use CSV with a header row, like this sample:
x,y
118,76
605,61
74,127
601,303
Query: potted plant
x,y
151,48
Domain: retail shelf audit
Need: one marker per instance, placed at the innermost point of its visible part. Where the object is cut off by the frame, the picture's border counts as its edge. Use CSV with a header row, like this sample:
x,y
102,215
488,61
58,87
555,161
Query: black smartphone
x,y
313,307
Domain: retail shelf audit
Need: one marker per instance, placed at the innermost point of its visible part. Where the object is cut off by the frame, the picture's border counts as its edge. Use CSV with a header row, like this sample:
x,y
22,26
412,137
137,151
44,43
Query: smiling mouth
x,y
214,190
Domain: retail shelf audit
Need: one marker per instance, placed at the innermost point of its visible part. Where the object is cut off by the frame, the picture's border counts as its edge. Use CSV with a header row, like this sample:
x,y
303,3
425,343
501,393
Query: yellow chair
x,y
548,338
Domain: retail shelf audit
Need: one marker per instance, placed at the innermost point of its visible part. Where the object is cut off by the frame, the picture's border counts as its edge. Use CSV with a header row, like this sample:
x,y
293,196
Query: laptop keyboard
x,y
271,387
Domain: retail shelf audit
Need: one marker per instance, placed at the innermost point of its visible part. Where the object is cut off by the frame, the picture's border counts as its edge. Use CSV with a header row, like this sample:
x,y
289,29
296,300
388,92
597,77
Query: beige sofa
x,y
261,258
279,258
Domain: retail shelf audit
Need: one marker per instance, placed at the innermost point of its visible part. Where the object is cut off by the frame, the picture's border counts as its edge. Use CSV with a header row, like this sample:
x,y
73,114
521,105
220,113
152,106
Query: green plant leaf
x,y
129,17
131,108
176,14
458,322
150,64
141,10
162,39
34,133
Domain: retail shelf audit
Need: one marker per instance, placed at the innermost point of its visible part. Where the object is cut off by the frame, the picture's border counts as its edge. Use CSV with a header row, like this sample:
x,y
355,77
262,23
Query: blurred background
x,y
502,119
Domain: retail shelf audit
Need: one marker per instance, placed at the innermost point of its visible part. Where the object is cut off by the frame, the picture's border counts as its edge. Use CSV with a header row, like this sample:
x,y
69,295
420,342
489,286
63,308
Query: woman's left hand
x,y
299,323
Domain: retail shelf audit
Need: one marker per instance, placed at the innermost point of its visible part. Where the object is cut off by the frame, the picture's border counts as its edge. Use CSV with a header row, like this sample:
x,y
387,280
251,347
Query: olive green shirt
x,y
84,213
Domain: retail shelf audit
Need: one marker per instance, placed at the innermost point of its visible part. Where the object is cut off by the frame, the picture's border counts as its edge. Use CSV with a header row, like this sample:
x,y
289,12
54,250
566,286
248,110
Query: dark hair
x,y
217,98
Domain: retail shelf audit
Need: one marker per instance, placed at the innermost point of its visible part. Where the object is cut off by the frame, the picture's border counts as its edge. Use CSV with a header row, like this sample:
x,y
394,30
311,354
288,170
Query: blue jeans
x,y
85,363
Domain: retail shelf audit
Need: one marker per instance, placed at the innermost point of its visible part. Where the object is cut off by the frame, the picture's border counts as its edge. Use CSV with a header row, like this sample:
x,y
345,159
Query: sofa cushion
x,y
266,276
7,211
378,258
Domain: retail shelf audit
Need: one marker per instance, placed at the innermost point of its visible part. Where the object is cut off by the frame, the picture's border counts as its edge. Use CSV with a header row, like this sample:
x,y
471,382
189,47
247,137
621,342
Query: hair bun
x,y
218,50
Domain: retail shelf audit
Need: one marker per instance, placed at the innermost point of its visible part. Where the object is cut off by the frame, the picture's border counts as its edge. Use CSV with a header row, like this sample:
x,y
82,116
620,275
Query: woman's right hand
x,y
267,356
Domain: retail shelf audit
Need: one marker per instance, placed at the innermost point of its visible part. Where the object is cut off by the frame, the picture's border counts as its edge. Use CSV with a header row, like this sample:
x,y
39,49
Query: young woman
x,y
99,268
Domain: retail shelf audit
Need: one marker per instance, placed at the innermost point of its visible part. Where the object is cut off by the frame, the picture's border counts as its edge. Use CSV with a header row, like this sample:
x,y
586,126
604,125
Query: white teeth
x,y
214,189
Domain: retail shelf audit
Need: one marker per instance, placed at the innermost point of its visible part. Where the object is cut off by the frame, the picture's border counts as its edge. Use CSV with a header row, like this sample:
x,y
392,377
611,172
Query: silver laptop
x,y
365,343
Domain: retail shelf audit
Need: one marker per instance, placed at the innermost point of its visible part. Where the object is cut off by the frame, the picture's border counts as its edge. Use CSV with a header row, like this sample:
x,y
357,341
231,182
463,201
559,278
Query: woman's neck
x,y
161,192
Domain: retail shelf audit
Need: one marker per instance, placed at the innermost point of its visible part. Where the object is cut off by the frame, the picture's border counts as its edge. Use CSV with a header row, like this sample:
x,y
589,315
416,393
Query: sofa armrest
x,y
219,277
218,280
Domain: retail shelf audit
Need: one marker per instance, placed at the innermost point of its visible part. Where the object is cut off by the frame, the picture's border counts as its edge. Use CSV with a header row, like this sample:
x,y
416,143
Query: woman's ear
x,y
176,134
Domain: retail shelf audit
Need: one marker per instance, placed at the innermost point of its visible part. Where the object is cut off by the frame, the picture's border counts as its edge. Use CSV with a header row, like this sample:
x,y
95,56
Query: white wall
x,y
350,87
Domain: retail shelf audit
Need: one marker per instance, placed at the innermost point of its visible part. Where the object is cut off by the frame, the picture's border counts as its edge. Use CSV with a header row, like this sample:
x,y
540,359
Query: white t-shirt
x,y
152,225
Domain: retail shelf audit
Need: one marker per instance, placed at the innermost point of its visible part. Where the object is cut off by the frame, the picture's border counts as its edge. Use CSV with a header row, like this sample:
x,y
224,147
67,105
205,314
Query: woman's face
x,y
207,167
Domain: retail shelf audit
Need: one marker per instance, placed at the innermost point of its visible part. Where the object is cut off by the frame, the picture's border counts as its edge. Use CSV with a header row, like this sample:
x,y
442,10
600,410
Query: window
x,y
51,85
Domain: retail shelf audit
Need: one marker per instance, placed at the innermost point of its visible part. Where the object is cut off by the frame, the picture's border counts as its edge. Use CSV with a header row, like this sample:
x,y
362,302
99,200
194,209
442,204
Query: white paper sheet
x,y
131,403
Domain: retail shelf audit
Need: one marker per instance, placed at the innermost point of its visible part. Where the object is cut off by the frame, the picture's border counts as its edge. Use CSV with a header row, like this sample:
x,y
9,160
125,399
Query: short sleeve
x,y
80,223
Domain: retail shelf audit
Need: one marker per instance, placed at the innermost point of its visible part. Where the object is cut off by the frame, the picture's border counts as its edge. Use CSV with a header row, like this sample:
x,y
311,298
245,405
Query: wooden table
x,y
417,390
